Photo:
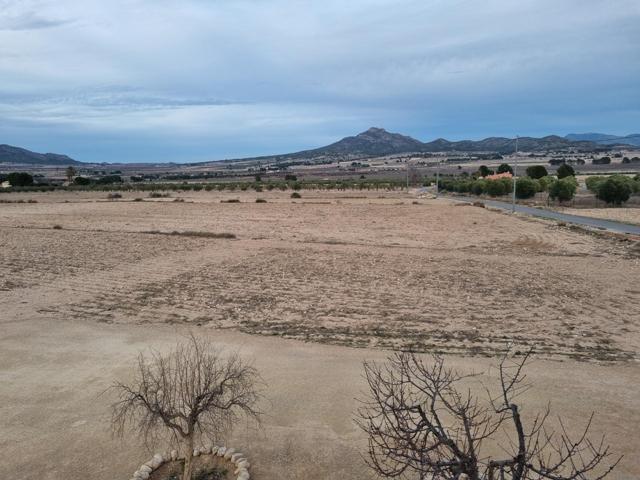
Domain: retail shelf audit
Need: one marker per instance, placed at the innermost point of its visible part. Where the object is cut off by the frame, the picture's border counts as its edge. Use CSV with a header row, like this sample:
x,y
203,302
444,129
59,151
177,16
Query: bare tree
x,y
191,392
70,172
423,423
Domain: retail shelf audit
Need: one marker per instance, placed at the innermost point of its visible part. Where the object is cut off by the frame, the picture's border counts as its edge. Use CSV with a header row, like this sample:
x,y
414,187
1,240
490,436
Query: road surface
x,y
610,225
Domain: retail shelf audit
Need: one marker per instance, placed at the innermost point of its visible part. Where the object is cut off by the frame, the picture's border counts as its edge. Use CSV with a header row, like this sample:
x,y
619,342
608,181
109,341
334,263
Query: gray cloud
x,y
294,74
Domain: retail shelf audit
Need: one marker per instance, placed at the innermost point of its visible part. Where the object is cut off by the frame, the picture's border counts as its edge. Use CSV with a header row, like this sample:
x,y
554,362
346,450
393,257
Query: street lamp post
x,y
515,173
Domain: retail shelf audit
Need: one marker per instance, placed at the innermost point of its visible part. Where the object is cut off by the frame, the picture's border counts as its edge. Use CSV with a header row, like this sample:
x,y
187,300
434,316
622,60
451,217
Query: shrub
x,y
563,189
260,200
536,171
158,195
296,195
495,188
478,187
565,170
602,161
615,190
593,183
137,199
543,183
290,177
82,181
114,196
57,227
231,200
525,187
20,179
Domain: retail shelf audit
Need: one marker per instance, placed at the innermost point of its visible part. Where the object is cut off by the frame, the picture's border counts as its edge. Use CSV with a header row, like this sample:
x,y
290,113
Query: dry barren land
x,y
85,283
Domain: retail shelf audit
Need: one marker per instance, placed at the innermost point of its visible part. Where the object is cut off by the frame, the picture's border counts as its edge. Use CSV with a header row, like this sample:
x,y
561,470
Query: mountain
x,y
9,154
378,142
605,139
375,141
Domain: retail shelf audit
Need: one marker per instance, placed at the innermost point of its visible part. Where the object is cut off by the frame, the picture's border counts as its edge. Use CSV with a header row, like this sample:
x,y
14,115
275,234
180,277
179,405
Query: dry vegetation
x,y
345,269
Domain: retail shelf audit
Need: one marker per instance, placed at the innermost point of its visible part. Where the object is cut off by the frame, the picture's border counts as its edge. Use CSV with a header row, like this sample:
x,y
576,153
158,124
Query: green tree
x,y
536,171
20,179
504,168
484,171
495,188
615,190
563,189
565,170
525,187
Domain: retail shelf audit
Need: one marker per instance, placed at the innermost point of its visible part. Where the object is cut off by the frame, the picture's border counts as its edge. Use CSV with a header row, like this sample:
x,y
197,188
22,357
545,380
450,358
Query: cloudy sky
x,y
187,80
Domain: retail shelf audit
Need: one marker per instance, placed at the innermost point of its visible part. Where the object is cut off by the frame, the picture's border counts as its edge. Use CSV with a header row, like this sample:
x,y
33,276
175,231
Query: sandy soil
x,y
78,303
627,215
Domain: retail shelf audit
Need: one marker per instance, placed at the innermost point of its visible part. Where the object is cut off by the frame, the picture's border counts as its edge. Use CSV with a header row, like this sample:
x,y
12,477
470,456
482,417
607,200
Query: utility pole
x,y
437,178
515,172
407,175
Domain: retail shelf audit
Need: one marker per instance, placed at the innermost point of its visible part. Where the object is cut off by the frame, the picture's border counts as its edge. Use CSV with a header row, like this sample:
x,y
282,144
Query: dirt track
x,y
77,304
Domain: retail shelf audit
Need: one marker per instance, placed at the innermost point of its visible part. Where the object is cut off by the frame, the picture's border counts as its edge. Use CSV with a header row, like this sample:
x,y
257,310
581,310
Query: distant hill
x,y
379,142
9,154
605,139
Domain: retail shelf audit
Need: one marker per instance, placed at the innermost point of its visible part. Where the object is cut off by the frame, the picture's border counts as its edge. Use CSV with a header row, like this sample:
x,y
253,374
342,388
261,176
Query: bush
x,y
565,170
593,183
536,171
260,200
82,181
478,187
504,168
602,161
290,178
114,196
158,195
496,188
563,189
20,179
295,195
526,187
543,183
615,190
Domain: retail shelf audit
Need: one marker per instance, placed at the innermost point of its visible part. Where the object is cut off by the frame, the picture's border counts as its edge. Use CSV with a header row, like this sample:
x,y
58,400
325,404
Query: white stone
x,y
145,468
142,474
244,475
156,461
207,448
222,451
229,452
236,456
244,464
196,452
174,455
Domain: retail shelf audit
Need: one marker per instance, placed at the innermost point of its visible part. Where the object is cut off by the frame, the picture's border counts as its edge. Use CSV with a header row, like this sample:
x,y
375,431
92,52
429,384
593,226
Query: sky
x,y
198,80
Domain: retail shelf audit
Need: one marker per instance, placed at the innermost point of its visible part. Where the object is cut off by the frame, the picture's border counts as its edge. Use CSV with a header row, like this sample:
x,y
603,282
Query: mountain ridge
x,y
22,156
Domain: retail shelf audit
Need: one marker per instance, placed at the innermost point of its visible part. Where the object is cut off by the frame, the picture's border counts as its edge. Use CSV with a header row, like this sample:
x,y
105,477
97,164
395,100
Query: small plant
x,y
178,199
296,195
138,199
159,195
210,474
114,196
260,200
57,227
231,200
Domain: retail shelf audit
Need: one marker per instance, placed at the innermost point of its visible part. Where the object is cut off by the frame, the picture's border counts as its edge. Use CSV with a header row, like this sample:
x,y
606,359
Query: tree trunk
x,y
188,459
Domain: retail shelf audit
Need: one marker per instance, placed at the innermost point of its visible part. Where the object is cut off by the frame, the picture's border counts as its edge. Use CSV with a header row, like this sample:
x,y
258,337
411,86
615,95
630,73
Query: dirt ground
x,y
626,215
343,269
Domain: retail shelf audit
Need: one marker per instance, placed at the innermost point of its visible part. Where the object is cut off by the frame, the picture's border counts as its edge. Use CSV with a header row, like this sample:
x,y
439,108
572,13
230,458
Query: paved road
x,y
618,227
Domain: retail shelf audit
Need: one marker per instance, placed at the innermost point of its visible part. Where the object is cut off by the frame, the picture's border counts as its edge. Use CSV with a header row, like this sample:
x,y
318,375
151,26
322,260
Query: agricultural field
x,y
308,288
